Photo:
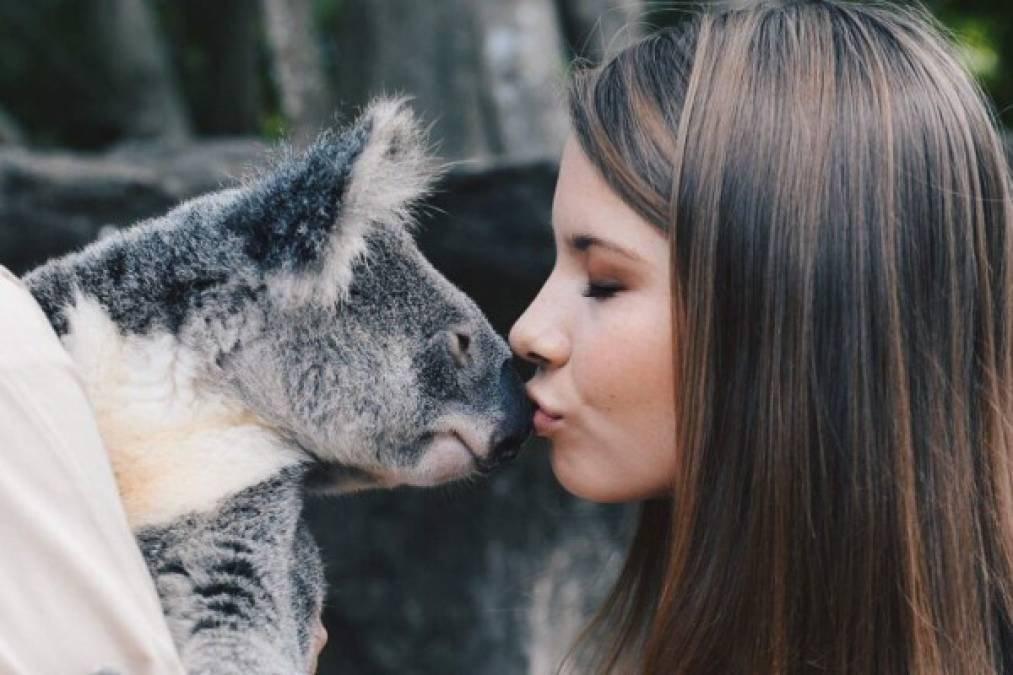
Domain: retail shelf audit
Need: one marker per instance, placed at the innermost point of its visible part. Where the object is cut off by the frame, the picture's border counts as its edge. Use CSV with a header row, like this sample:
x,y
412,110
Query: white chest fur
x,y
175,445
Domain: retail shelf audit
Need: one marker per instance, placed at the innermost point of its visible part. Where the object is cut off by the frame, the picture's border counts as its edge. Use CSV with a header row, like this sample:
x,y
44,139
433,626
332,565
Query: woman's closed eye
x,y
601,290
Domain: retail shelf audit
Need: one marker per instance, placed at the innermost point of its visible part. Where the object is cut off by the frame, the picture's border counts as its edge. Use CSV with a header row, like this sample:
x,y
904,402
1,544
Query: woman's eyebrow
x,y
585,242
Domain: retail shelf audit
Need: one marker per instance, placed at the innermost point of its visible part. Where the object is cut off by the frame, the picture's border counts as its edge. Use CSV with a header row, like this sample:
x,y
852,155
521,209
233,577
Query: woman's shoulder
x,y
26,336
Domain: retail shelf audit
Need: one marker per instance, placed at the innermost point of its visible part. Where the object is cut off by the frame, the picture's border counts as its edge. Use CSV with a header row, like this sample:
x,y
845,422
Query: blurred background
x,y
115,110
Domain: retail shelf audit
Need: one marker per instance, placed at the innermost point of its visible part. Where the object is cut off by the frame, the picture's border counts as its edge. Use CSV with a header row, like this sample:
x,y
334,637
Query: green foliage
x,y
327,12
274,127
984,33
978,47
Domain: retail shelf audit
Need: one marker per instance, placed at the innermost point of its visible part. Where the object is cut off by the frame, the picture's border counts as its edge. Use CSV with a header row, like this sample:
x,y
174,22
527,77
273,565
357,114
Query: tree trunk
x,y
524,62
306,100
226,95
144,98
484,72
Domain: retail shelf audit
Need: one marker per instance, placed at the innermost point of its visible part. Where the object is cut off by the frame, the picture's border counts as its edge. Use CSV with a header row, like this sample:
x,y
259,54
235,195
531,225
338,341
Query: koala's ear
x,y
305,223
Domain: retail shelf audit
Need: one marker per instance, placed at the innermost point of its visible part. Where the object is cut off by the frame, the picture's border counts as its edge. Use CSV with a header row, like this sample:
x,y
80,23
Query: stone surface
x,y
51,203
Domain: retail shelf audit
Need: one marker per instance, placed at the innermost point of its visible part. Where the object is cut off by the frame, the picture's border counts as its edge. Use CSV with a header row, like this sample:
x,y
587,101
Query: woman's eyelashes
x,y
601,290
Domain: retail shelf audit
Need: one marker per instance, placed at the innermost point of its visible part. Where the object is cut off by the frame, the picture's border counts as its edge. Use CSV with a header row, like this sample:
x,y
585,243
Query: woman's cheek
x,y
624,373
619,353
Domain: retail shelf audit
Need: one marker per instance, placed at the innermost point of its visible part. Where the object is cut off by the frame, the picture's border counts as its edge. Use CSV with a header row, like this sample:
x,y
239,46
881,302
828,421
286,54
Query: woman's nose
x,y
539,337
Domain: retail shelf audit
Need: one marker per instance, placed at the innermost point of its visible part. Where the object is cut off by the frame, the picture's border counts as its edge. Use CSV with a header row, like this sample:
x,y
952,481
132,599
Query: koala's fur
x,y
242,585
251,336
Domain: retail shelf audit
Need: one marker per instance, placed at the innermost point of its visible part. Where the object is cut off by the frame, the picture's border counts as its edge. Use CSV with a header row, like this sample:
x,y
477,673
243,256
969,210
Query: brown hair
x,y
838,206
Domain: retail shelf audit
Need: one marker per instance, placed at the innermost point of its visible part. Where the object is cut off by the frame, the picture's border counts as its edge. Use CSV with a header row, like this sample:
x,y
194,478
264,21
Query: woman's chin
x,y
582,477
585,474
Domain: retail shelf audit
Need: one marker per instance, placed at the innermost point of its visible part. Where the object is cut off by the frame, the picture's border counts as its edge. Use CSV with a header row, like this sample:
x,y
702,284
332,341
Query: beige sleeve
x,y
75,595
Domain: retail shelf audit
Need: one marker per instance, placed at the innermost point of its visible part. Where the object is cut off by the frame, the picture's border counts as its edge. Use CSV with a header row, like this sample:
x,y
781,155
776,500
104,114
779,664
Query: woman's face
x,y
600,333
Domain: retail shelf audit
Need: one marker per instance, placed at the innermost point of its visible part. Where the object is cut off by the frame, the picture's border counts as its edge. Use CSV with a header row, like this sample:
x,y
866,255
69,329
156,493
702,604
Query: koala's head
x,y
361,352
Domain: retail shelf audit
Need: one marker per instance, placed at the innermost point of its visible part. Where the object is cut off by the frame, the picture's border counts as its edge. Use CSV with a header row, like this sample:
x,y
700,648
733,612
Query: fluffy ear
x,y
305,222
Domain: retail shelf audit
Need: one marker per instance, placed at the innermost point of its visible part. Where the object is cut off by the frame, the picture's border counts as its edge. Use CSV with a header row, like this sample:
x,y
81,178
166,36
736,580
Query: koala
x,y
280,334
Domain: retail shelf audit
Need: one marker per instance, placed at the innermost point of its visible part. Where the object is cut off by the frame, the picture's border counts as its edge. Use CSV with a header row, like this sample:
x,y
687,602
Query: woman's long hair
x,y
838,205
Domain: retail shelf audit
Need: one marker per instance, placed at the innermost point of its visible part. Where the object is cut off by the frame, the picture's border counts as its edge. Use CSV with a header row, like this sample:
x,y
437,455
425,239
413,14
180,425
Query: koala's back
x,y
242,586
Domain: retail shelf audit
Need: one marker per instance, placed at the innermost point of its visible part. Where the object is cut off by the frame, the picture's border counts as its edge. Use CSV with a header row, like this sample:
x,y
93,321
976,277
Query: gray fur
x,y
243,586
287,329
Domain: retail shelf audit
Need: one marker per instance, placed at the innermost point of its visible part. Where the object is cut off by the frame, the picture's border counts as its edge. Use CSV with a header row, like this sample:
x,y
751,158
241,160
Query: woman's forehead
x,y
584,204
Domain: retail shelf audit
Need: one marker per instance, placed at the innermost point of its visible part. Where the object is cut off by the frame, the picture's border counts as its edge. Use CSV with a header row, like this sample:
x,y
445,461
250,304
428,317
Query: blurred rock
x,y
10,131
491,577
52,203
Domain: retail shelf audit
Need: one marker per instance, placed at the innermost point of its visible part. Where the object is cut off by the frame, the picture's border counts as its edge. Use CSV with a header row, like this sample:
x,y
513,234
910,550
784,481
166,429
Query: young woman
x,y
780,317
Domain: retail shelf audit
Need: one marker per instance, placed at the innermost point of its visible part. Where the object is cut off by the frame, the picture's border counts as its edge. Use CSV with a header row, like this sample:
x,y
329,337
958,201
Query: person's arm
x,y
76,596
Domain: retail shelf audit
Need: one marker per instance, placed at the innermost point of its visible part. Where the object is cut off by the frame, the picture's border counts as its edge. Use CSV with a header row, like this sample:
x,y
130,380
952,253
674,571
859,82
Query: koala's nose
x,y
506,449
517,423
